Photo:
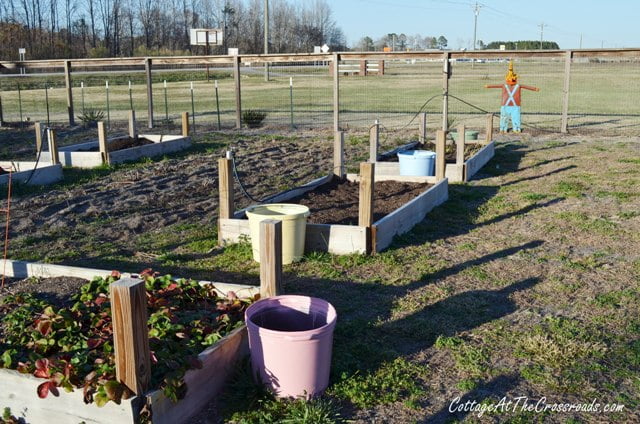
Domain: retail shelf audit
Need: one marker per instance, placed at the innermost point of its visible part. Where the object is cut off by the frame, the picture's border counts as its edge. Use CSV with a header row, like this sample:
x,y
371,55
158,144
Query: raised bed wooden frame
x,y
18,391
78,155
366,237
461,171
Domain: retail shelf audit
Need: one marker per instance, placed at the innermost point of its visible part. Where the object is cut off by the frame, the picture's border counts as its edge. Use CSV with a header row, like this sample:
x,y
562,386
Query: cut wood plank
x,y
270,258
440,154
338,155
102,143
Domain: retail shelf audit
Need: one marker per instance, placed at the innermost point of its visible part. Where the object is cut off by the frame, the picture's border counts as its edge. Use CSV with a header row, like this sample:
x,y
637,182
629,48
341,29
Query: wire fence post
x,y
130,97
291,98
147,70
108,110
69,89
193,110
46,100
20,103
1,115
215,83
82,95
166,104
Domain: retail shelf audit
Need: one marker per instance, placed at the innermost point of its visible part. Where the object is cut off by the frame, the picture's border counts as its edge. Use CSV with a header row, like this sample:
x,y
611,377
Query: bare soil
x,y
337,202
125,143
56,290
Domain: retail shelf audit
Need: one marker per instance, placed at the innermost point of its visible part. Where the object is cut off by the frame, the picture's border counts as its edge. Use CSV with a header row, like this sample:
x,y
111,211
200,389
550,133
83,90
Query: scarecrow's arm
x,y
529,87
493,86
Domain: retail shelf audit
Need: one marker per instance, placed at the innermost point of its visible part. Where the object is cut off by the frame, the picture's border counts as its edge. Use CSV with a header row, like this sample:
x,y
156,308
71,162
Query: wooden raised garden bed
x,y
18,391
40,173
366,234
120,149
461,169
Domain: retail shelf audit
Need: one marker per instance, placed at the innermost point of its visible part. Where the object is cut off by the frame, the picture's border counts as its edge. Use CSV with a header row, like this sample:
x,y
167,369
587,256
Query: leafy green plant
x,y
90,117
72,347
253,118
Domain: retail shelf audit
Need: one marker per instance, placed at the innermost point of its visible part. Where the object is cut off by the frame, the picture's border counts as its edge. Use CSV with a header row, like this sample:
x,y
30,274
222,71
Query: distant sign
x,y
317,49
503,47
198,36
22,51
233,51
324,48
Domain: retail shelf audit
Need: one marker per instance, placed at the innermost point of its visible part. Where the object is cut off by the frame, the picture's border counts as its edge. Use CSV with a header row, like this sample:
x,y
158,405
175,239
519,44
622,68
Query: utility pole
x,y
541,25
476,12
266,38
580,40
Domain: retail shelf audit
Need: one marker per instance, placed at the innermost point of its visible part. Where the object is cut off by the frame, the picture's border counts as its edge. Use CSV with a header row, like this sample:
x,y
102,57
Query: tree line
x,y
108,28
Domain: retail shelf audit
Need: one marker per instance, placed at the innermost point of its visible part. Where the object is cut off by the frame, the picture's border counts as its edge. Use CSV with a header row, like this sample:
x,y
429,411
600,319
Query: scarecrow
x,y
511,98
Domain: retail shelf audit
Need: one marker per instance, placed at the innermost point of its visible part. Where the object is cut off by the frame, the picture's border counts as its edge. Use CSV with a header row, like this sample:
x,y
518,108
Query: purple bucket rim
x,y
273,301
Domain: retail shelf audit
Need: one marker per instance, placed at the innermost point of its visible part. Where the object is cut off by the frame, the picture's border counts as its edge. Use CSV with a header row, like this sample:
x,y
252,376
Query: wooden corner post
x,y
422,136
460,141
374,141
53,146
38,129
102,143
365,208
338,155
440,154
489,135
67,82
147,69
185,124
564,126
236,78
225,190
130,333
270,258
133,131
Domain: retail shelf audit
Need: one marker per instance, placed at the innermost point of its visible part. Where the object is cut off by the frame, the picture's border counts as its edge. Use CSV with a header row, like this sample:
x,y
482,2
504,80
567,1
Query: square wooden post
x,y
489,135
103,144
460,142
185,124
363,68
147,69
338,155
133,132
365,201
381,67
440,154
225,192
270,258
130,333
236,78
38,129
53,146
67,82
374,140
422,136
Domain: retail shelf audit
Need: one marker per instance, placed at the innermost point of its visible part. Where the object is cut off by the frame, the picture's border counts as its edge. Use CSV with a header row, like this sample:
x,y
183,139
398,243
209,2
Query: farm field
x,y
525,283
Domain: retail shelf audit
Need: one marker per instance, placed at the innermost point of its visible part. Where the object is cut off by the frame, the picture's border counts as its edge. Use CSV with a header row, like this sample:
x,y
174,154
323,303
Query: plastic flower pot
x,y
294,225
290,342
417,163
468,135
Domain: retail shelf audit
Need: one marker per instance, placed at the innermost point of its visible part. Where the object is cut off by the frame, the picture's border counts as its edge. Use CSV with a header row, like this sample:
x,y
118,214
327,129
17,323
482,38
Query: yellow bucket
x,y
294,224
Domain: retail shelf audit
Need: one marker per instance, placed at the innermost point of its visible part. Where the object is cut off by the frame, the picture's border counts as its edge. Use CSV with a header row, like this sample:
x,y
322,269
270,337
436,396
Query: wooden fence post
x,y
130,333
53,146
446,71
336,92
1,114
67,82
363,68
565,92
185,124
102,143
460,143
374,141
225,192
133,131
236,78
422,136
365,201
338,155
489,135
147,69
440,154
381,67
270,258
38,128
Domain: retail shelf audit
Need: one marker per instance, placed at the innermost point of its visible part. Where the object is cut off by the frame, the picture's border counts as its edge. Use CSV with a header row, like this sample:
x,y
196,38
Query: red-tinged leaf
x,y
41,373
116,274
23,368
101,299
148,272
44,327
94,343
42,369
53,389
57,378
232,295
87,393
154,358
99,361
43,390
90,376
171,286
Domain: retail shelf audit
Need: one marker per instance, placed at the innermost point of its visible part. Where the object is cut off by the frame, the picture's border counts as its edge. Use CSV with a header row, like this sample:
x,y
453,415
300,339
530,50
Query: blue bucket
x,y
417,163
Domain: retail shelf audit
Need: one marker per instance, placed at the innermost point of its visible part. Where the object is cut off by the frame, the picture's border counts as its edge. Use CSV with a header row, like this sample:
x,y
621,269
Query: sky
x,y
571,23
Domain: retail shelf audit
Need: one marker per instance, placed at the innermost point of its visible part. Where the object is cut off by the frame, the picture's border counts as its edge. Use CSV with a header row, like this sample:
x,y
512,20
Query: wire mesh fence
x,y
602,92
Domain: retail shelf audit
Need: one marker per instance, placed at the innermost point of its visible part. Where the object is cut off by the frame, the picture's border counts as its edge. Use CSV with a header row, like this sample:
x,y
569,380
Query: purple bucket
x,y
290,341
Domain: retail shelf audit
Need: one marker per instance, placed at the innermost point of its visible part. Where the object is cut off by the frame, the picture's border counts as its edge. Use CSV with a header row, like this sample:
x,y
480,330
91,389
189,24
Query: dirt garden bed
x,y
122,143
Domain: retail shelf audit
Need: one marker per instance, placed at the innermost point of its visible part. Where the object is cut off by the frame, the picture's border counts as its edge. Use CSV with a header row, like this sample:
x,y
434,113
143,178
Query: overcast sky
x,y
609,24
